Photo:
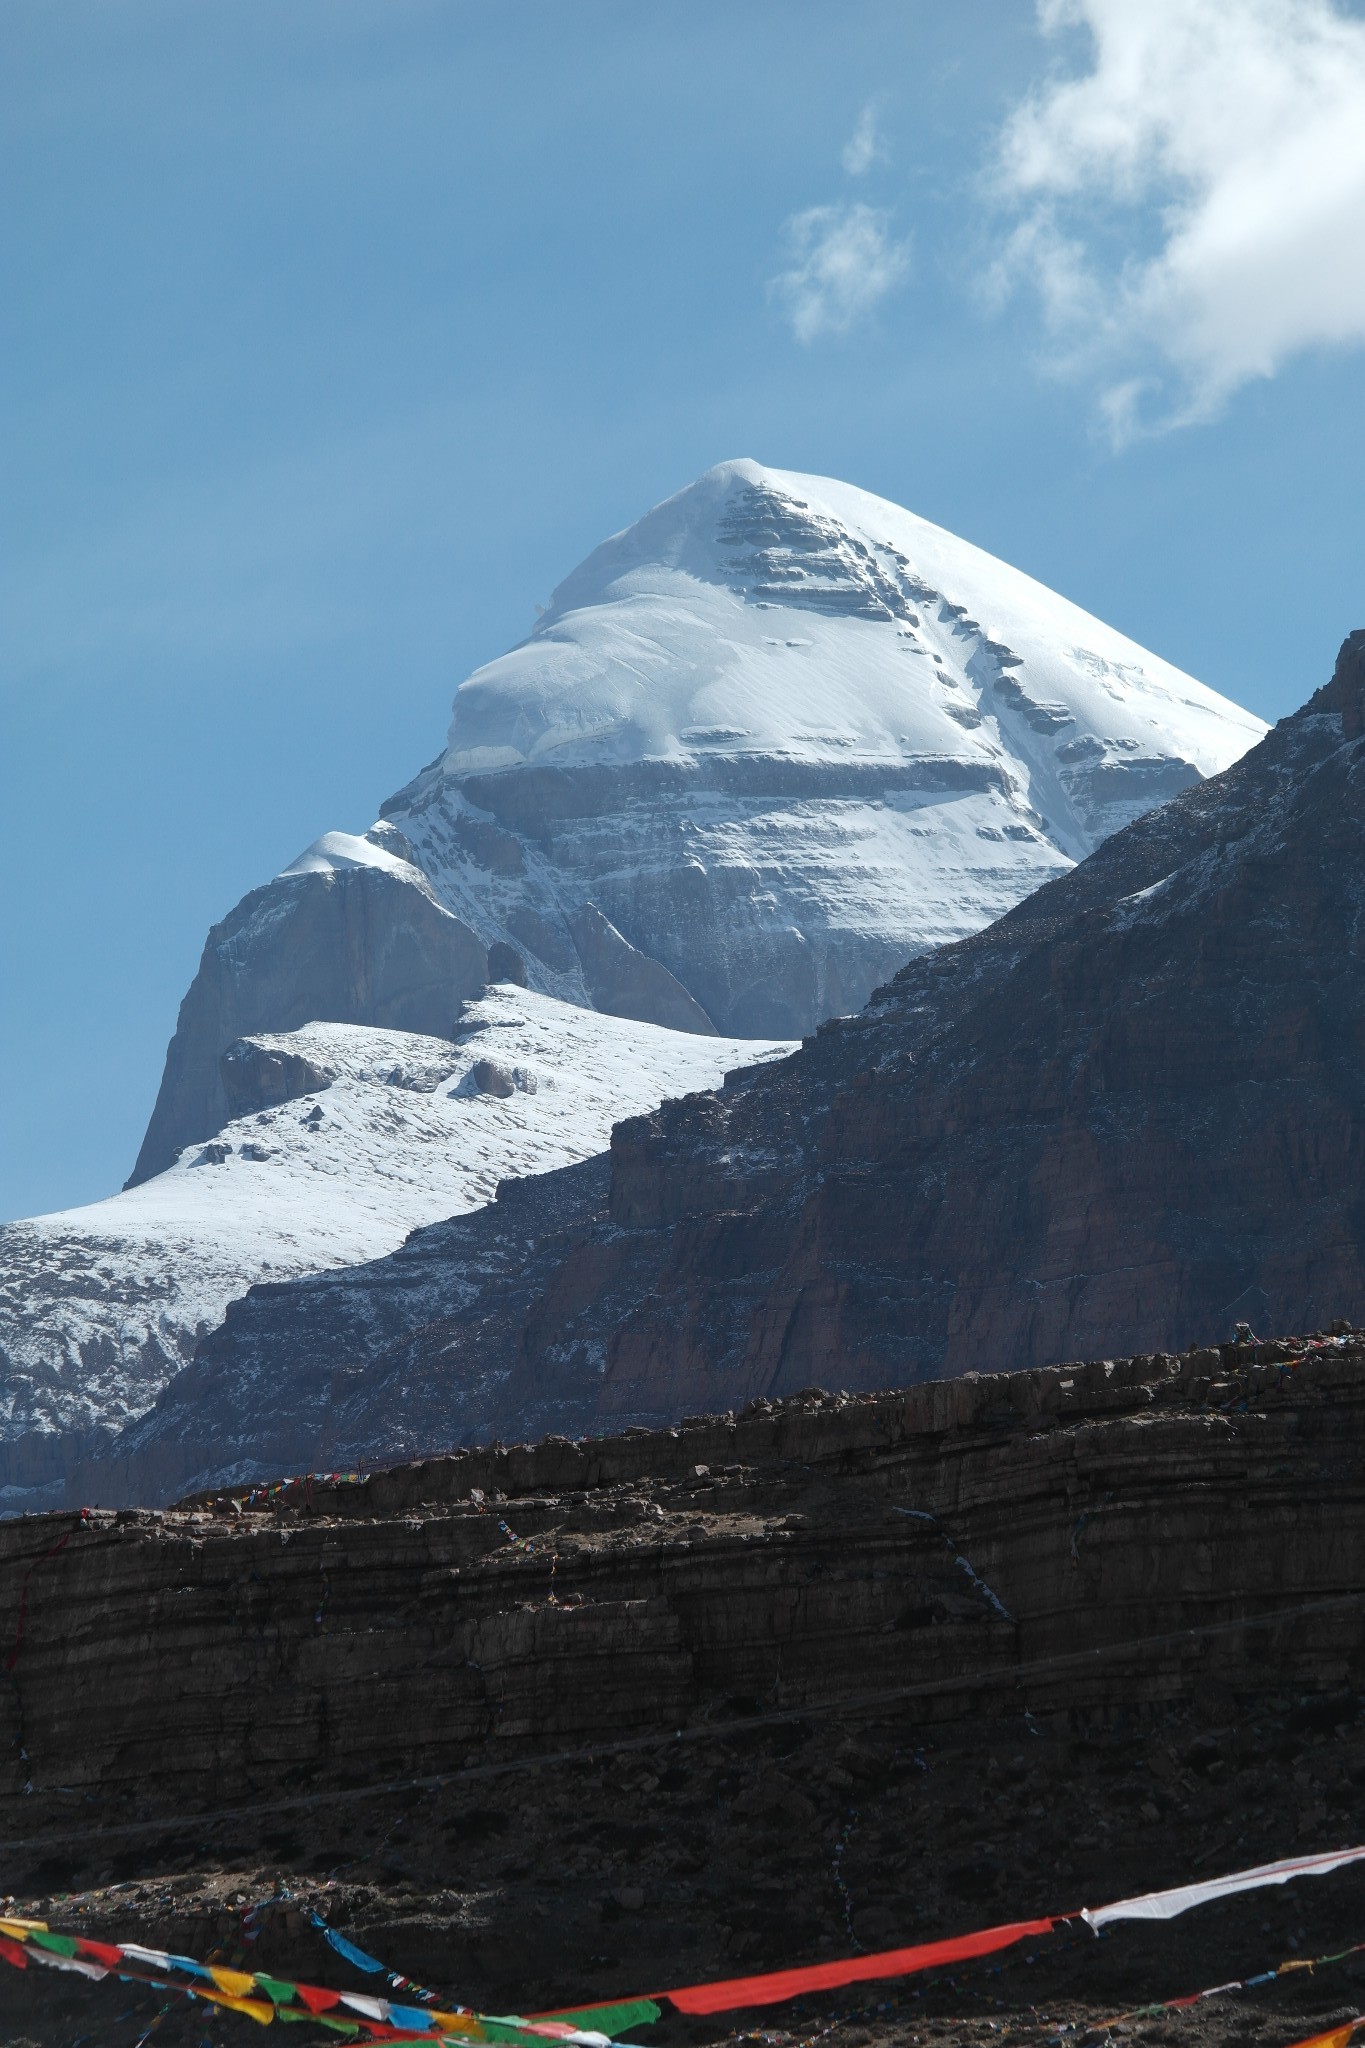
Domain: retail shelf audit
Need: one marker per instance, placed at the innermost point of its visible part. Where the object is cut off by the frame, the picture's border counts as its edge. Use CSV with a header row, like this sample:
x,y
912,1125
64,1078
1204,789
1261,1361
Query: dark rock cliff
x,y
1133,1107
1060,1539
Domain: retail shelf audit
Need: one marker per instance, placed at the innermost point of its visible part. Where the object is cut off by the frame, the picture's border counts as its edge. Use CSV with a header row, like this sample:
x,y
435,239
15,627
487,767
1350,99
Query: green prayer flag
x,y
60,1944
611,2019
505,2030
277,1988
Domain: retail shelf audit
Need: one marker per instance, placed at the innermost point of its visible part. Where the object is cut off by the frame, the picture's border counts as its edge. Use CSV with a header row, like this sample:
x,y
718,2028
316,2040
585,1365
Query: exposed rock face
x,y
259,1073
627,983
1134,1105
358,943
1063,1539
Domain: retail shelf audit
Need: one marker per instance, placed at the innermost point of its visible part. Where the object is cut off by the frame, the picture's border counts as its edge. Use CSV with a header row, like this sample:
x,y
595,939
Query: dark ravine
x,y
1131,1110
840,1671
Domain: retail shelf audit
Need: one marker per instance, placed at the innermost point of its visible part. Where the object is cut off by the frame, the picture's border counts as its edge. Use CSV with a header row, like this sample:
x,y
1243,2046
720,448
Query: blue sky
x,y
336,331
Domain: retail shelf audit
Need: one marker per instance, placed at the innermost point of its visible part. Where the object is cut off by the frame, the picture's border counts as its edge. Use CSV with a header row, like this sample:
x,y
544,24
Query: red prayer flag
x,y
102,1951
894,1962
13,1952
315,1998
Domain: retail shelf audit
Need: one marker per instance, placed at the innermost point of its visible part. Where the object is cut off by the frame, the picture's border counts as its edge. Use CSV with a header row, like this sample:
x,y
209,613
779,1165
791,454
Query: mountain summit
x,y
762,747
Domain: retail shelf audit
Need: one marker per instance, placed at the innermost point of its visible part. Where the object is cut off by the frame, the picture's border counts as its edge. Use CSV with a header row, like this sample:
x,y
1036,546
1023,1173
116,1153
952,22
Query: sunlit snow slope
x,y
98,1306
784,734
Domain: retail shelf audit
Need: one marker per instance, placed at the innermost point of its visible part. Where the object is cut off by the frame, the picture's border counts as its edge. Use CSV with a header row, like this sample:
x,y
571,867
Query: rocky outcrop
x,y
626,982
1069,1539
364,942
258,1074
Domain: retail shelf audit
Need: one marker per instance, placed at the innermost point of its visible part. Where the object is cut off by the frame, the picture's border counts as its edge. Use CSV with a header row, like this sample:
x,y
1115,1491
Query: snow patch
x,y
99,1306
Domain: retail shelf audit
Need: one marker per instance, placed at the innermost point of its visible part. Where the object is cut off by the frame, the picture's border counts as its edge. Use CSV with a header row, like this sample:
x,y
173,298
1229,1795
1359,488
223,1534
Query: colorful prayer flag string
x,y
265,1998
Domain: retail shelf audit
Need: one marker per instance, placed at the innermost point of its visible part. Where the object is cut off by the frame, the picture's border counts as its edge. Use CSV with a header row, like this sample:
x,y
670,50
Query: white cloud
x,y
864,145
1192,205
844,262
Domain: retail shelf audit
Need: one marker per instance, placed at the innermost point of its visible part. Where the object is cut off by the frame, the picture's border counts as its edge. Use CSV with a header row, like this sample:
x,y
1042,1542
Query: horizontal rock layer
x,y
1077,1537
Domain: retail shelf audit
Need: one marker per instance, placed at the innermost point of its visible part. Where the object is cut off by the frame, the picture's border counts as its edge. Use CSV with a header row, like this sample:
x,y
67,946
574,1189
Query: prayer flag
x,y
1167,1905
371,2008
276,1988
237,1983
608,2019
348,1948
102,1951
896,1962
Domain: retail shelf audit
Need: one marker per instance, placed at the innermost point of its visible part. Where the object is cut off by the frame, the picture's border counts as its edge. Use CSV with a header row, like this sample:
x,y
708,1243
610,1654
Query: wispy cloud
x,y
844,261
1191,204
864,145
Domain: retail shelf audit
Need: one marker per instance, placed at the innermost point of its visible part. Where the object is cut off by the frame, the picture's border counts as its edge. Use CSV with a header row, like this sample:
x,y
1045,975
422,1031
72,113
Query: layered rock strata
x,y
1086,1537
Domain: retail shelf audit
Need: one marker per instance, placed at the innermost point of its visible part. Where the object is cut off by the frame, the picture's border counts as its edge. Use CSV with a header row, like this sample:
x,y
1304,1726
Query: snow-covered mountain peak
x,y
765,745
763,613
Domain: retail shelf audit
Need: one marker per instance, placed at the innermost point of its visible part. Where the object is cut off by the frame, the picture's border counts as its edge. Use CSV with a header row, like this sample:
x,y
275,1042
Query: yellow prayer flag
x,y
259,2009
17,1929
237,1983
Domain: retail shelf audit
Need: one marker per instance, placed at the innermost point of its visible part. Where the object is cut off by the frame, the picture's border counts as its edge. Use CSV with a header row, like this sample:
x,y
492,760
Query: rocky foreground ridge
x,y
963,1539
838,1671
1133,1107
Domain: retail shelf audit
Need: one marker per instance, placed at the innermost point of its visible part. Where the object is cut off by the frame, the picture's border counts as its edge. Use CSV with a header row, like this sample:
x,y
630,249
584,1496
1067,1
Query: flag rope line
x,y
705,1731
773,1986
1192,1998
